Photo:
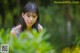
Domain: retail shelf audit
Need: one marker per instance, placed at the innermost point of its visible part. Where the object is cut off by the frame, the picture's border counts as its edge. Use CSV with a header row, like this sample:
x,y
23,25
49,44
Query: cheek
x,y
25,19
34,20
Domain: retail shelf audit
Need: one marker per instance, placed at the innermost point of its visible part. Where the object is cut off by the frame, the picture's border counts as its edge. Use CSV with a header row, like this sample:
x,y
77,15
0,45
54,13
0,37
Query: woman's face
x,y
29,18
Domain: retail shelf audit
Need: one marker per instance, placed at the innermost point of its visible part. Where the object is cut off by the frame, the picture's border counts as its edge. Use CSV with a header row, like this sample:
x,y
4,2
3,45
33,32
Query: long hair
x,y
30,7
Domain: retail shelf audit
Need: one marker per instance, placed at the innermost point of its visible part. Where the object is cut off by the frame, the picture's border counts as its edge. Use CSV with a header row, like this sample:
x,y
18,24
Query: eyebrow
x,y
32,13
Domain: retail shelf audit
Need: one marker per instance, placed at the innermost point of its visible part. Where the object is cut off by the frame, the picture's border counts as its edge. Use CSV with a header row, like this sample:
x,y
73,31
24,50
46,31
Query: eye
x,y
34,16
28,15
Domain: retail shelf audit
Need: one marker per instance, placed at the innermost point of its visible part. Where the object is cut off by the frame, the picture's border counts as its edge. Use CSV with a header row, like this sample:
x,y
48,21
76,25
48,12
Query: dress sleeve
x,y
17,31
40,28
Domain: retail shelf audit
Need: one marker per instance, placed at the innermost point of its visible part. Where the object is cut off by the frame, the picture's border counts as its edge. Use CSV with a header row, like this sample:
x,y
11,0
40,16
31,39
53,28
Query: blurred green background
x,y
61,21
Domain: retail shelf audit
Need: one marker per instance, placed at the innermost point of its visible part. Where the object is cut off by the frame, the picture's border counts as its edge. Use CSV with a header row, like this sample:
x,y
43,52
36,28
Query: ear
x,y
22,15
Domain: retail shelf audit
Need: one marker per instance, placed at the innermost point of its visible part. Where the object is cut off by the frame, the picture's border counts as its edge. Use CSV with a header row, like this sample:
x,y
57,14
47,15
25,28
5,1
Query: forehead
x,y
32,13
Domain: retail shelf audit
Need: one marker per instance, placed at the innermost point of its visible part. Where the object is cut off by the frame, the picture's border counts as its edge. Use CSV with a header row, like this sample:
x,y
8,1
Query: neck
x,y
29,28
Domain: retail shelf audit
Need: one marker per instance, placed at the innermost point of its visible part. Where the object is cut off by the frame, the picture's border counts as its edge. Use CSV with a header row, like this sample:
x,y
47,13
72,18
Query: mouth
x,y
29,22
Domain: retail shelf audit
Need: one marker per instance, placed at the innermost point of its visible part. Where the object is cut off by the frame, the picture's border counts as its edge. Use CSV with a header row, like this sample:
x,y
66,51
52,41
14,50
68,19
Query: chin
x,y
29,25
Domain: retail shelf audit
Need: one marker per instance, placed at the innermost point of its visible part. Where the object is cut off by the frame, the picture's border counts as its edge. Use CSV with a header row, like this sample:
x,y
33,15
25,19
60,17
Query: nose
x,y
31,18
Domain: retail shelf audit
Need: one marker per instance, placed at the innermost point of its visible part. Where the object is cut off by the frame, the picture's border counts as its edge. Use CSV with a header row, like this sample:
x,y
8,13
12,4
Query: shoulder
x,y
15,29
40,28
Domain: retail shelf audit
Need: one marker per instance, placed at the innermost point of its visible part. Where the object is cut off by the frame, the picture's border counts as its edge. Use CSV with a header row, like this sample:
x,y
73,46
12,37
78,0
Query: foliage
x,y
33,42
54,19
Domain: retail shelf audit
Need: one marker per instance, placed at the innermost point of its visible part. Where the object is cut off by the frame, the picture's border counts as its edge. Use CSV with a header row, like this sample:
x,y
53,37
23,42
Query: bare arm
x,y
12,32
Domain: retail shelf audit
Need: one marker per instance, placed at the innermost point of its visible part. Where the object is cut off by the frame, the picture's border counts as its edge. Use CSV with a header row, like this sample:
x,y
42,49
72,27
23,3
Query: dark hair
x,y
30,7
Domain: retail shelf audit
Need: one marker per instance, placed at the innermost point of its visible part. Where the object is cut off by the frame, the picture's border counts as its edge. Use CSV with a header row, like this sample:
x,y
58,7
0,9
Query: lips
x,y
30,22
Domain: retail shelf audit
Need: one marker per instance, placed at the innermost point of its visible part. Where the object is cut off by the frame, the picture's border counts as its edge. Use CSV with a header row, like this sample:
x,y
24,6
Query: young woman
x,y
30,20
